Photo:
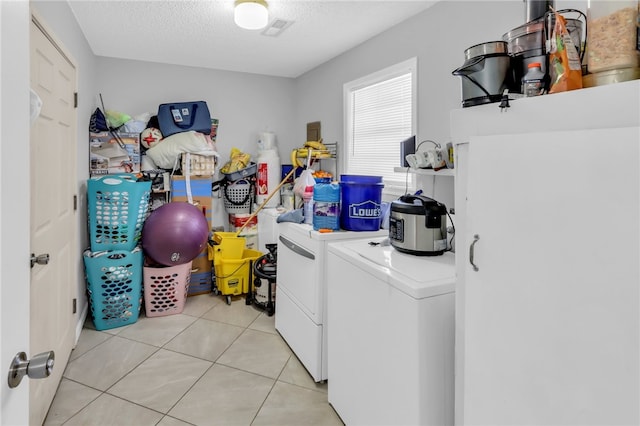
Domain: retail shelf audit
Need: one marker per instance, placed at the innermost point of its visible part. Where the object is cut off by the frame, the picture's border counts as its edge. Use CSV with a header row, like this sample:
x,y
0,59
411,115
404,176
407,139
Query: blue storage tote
x,y
118,207
200,283
114,286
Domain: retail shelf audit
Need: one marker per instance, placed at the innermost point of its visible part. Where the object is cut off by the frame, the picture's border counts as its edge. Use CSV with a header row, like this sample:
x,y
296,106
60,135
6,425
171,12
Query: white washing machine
x,y
301,290
390,335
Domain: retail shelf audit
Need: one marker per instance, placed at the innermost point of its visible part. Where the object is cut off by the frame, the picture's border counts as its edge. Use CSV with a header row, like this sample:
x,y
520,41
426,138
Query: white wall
x,y
246,104
438,37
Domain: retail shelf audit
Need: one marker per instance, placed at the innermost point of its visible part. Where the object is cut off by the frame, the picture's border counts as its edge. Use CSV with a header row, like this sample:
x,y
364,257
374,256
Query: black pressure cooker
x,y
418,225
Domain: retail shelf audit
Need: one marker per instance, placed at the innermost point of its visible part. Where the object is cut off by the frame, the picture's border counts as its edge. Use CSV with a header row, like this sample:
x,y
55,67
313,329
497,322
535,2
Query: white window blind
x,y
380,111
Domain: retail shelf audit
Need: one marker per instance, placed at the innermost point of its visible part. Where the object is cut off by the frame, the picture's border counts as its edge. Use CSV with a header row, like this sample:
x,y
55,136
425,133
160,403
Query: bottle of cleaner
x,y
307,212
326,206
533,80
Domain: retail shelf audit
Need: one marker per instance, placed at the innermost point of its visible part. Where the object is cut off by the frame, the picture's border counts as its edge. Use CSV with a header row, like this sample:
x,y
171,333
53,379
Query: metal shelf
x,y
426,172
330,154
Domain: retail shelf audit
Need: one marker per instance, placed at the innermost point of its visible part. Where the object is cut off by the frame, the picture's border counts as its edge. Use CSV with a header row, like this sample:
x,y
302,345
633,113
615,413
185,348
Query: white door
x,y
14,203
551,315
53,214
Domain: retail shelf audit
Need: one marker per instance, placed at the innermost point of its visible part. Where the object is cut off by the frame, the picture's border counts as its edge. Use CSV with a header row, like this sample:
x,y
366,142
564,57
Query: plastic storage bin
x,y
165,289
118,207
248,171
238,196
612,39
201,274
114,286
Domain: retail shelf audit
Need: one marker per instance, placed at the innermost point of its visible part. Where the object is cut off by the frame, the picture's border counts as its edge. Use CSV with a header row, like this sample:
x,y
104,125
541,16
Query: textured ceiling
x,y
202,33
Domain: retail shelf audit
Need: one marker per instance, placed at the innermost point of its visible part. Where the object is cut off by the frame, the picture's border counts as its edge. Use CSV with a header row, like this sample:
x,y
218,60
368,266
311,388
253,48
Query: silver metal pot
x,y
485,73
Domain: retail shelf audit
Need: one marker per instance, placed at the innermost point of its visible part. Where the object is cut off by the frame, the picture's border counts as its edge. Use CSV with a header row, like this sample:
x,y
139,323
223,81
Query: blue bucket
x,y
361,199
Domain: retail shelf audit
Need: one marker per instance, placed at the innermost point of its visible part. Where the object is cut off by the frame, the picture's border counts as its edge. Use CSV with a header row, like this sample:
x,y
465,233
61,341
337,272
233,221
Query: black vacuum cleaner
x,y
264,269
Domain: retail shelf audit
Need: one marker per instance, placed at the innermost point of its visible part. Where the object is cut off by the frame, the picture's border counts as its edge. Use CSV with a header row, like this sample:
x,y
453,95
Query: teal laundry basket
x,y
114,286
118,206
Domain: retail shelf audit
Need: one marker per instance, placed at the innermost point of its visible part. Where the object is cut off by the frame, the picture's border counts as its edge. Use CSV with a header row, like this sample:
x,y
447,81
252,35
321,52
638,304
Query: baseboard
x,y
80,324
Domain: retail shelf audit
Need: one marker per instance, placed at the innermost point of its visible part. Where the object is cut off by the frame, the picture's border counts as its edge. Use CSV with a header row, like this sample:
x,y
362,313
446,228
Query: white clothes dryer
x,y
390,335
301,290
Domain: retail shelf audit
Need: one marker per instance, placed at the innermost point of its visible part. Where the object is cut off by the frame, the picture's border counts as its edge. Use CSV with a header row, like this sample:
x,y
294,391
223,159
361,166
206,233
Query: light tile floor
x,y
213,364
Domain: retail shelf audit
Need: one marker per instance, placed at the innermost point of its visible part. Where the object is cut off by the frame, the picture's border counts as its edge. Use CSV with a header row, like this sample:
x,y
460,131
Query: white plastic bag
x,y
303,186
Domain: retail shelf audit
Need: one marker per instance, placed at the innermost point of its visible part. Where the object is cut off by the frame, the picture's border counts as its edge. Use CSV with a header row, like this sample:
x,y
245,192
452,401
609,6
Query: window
x,y
380,112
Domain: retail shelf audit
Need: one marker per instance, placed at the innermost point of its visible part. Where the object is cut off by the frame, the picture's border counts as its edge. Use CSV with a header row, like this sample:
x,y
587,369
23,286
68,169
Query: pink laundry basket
x,y
165,289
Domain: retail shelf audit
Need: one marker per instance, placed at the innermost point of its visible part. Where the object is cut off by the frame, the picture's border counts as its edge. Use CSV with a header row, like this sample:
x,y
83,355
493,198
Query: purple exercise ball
x,y
175,233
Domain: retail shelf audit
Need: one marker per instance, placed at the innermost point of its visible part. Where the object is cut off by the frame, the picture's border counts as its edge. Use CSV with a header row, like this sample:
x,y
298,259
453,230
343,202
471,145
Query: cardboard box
x,y
202,267
201,275
106,156
202,263
200,193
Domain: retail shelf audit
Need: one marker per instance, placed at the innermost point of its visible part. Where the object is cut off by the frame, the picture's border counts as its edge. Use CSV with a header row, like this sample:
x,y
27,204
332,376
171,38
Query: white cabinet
x,y
547,322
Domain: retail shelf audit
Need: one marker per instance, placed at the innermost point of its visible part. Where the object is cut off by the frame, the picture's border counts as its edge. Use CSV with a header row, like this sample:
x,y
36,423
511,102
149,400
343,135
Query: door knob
x,y
42,259
38,367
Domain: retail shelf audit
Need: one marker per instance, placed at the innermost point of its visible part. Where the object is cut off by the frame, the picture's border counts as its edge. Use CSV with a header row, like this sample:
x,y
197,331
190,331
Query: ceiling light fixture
x,y
251,14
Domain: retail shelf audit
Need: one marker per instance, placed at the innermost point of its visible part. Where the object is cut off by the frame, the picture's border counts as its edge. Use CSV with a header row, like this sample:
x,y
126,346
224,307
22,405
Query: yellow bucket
x,y
232,275
226,245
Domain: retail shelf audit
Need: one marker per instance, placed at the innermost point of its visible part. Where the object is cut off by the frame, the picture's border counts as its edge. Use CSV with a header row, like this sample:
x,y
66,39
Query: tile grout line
x,y
270,390
213,363
262,331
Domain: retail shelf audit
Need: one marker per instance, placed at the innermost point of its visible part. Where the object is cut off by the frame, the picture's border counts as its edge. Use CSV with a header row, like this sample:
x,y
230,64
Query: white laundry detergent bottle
x,y
268,173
